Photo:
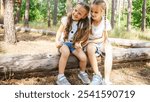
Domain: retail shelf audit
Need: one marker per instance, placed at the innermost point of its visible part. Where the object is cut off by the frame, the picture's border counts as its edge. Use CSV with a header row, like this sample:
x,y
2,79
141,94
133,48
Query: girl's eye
x,y
76,10
79,13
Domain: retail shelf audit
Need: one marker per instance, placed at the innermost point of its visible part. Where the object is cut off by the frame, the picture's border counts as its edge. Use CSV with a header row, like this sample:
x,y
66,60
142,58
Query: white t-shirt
x,y
97,31
73,29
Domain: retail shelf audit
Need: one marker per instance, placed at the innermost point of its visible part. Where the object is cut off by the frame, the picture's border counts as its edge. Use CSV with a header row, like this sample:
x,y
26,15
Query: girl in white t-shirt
x,y
71,36
98,44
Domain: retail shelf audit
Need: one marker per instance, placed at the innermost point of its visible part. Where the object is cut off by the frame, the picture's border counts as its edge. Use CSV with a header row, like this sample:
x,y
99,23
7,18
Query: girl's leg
x,y
61,79
91,48
64,50
108,62
82,58
83,62
97,77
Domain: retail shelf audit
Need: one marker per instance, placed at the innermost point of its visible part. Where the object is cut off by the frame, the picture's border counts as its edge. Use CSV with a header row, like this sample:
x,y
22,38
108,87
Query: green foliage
x,y
137,13
61,8
38,9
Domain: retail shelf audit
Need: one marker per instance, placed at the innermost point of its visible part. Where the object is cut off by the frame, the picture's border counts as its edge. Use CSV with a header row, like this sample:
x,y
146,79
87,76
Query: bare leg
x,y
92,58
82,58
83,62
63,58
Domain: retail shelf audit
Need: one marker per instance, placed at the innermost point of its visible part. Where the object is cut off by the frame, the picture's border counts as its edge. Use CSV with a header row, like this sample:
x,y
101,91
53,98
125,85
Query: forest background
x,y
28,28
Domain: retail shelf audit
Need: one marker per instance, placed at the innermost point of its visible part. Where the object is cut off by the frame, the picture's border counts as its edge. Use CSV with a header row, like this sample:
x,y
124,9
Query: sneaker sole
x,y
83,81
57,83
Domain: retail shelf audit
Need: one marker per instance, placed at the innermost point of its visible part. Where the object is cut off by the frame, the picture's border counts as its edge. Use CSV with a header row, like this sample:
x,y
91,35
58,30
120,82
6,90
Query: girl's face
x,y
79,12
96,12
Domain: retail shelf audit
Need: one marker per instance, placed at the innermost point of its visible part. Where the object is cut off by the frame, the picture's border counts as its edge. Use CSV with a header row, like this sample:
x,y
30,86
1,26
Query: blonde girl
x,y
71,36
98,44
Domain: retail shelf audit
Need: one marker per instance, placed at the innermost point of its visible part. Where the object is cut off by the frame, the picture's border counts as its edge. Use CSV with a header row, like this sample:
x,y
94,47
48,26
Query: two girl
x,y
76,32
71,36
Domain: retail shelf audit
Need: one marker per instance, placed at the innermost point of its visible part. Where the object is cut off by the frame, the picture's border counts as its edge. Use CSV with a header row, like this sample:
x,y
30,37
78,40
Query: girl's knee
x,y
91,48
82,57
65,51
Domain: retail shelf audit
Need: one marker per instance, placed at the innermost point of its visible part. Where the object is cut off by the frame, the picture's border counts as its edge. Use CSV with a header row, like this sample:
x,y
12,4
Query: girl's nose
x,y
75,13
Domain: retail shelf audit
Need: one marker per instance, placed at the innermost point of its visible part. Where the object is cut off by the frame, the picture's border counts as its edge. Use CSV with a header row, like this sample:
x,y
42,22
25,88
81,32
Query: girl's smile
x,y
78,13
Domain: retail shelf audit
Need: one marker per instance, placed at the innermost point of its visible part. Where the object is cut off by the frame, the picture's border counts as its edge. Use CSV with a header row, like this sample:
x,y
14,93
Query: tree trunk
x,y
2,12
119,13
17,17
123,7
143,16
55,12
26,18
9,27
48,11
69,5
113,14
2,8
129,43
40,62
40,31
129,15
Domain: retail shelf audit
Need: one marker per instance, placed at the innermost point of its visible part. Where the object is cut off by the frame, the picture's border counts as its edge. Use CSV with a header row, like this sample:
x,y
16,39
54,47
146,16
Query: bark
x,y
40,62
41,31
119,13
55,12
9,27
2,12
129,15
26,18
2,8
113,14
48,13
129,43
17,17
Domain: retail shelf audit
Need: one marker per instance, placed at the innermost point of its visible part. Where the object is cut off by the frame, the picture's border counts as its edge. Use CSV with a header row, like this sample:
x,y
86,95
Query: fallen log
x,y
129,43
25,29
40,31
39,62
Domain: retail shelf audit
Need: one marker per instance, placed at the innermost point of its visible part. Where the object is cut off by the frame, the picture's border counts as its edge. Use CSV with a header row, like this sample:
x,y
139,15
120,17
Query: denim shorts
x,y
70,46
100,50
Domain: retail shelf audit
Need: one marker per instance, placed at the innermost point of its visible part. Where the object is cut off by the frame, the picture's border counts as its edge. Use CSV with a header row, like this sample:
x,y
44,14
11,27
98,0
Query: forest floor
x,y
133,73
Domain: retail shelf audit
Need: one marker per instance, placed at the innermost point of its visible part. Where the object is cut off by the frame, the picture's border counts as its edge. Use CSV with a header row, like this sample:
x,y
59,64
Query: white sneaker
x,y
62,81
84,78
97,80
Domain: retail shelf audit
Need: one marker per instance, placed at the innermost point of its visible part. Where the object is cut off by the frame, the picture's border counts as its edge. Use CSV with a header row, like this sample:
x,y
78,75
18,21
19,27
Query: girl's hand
x,y
78,45
58,44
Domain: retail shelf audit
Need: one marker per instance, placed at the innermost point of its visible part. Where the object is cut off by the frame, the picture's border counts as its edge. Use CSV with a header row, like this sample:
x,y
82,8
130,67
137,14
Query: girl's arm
x,y
99,40
58,35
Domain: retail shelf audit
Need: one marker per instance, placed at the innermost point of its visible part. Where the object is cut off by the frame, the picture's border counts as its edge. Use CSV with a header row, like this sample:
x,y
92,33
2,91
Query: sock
x,y
99,74
82,72
60,75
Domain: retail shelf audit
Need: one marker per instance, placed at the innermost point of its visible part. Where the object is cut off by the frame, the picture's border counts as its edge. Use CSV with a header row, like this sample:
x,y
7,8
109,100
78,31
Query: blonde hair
x,y
103,5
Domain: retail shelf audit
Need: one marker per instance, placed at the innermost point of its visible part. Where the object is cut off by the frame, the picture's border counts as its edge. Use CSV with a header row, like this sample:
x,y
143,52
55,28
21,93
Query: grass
x,y
41,25
134,34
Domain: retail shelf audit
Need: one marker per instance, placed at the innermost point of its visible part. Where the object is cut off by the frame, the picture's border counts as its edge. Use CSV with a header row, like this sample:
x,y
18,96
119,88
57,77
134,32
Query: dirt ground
x,y
133,73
